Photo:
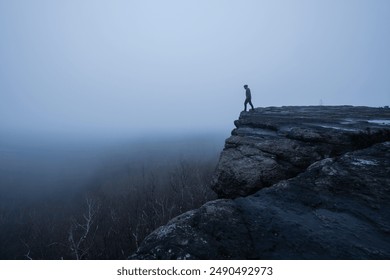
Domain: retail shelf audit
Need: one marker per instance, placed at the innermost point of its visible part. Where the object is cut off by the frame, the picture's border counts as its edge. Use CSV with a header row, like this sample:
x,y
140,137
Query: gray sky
x,y
117,67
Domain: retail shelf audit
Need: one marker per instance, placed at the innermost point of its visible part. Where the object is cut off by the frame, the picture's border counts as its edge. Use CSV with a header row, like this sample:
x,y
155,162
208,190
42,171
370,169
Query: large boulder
x,y
337,209
276,143
294,183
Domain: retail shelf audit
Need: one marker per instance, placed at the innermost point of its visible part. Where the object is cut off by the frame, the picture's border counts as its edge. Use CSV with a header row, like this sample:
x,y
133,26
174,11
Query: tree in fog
x,y
82,233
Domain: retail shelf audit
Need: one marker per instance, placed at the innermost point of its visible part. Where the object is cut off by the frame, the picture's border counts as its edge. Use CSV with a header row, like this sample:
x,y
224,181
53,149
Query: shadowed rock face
x,y
336,206
272,144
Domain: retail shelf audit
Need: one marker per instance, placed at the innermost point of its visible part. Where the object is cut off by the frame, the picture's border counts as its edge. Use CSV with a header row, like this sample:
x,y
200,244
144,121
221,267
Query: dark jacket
x,y
248,93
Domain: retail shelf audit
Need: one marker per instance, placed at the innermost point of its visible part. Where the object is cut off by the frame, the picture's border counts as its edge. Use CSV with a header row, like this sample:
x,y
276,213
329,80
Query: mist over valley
x,y
46,183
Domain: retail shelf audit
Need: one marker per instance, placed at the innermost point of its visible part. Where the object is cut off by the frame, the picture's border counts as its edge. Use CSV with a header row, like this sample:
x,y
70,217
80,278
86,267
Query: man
x,y
248,97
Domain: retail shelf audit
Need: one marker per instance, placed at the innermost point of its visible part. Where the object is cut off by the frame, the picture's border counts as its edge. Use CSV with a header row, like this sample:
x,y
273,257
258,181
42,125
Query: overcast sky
x,y
137,66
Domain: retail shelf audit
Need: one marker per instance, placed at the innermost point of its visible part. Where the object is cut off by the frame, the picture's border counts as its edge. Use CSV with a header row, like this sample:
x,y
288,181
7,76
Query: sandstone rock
x,y
272,144
306,183
337,209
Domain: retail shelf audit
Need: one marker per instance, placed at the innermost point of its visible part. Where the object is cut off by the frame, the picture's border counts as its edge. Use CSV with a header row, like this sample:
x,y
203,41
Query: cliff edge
x,y
295,183
277,143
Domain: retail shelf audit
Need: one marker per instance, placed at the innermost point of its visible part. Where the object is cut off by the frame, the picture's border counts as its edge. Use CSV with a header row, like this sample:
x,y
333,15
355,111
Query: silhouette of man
x,y
248,98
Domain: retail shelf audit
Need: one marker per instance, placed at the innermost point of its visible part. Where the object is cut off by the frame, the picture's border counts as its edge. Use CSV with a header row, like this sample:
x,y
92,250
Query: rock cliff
x,y
273,144
295,183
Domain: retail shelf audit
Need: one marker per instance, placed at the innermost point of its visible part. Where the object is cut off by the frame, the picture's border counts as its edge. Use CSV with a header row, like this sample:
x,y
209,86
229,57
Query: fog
x,y
140,67
52,189
40,167
126,104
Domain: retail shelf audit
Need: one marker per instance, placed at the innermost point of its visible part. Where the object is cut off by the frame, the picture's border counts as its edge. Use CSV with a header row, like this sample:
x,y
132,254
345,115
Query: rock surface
x,y
334,206
276,143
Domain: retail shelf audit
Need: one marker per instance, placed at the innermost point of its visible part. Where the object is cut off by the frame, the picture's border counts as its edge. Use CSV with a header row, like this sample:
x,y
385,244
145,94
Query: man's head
x,y
245,86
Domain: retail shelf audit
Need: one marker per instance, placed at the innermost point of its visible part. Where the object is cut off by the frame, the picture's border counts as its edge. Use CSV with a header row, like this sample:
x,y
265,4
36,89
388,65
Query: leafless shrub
x,y
80,232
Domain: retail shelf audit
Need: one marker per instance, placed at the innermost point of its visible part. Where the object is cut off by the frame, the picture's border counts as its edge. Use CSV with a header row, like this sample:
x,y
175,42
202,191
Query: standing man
x,y
248,97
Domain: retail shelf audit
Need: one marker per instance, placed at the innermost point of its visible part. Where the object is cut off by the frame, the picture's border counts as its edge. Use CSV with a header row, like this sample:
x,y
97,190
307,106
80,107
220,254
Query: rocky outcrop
x,y
332,205
276,143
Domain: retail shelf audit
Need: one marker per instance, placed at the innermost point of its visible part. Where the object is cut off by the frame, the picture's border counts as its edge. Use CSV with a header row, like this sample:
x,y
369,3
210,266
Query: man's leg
x,y
250,103
245,103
